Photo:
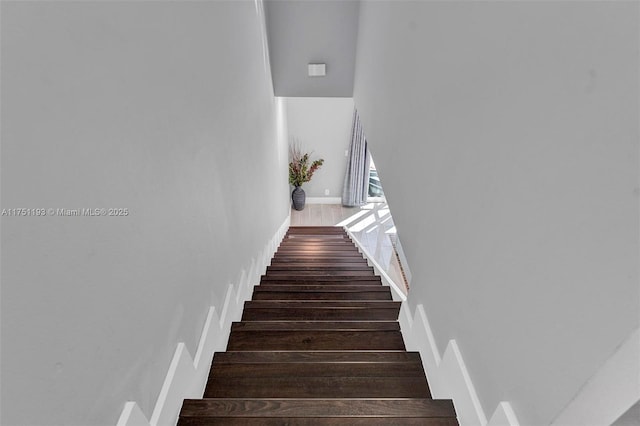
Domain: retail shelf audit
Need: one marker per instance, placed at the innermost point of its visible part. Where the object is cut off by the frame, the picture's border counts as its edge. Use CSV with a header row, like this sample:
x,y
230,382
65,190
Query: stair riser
x,y
319,270
319,275
317,387
335,252
320,231
311,250
291,295
353,280
345,257
321,288
320,314
333,283
319,261
337,305
346,246
317,370
315,325
315,340
350,408
302,244
317,356
331,421
316,241
310,253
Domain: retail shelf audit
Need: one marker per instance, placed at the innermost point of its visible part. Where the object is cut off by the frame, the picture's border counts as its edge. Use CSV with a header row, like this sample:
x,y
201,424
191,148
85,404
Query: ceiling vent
x,y
317,70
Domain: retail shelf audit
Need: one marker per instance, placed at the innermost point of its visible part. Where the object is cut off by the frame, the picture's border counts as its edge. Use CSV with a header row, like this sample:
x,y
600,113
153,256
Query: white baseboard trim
x,y
447,374
503,416
187,376
132,415
610,392
324,200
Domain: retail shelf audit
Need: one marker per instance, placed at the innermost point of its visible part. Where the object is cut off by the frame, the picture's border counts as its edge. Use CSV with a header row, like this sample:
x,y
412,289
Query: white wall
x,y
139,105
630,418
506,135
322,125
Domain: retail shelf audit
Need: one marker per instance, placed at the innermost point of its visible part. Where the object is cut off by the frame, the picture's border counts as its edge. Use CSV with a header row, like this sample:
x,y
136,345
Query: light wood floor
x,y
371,224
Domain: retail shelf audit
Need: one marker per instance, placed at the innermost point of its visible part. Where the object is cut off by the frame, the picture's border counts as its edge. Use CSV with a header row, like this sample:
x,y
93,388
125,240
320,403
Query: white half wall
x,y
187,376
144,106
447,373
322,126
611,391
506,135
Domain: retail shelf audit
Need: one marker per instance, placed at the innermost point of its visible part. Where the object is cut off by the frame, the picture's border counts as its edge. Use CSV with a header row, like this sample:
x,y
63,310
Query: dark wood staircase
x,y
318,344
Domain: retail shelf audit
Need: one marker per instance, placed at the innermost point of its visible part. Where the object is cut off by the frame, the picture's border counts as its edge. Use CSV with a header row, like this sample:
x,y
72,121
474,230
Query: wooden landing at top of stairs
x,y
318,344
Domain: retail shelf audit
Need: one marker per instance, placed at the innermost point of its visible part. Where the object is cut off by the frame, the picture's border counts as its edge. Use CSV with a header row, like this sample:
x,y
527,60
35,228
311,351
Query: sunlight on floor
x,y
372,224
351,219
365,222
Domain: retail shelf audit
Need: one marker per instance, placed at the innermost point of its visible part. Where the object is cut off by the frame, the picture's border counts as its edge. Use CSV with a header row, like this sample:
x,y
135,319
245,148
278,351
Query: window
x,y
375,187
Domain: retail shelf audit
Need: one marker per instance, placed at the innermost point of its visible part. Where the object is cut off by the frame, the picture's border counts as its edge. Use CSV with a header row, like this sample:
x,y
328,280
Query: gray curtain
x,y
356,180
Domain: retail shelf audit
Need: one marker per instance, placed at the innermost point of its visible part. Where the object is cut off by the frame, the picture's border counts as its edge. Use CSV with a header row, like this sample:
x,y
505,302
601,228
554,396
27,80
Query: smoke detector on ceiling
x,y
317,70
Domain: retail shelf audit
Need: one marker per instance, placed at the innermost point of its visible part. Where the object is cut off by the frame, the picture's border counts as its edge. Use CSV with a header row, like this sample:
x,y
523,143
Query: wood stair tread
x,y
333,251
300,240
289,236
319,314
321,295
321,267
325,283
315,340
319,280
323,229
309,369
315,325
321,274
311,288
317,387
317,243
317,356
333,304
313,260
315,246
333,260
319,408
317,253
255,310
319,343
345,256
325,421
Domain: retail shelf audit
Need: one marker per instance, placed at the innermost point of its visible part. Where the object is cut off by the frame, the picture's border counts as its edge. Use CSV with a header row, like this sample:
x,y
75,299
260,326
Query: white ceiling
x,y
312,31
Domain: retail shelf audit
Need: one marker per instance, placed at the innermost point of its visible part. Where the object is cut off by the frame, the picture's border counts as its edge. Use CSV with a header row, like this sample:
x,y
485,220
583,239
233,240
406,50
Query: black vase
x,y
298,197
